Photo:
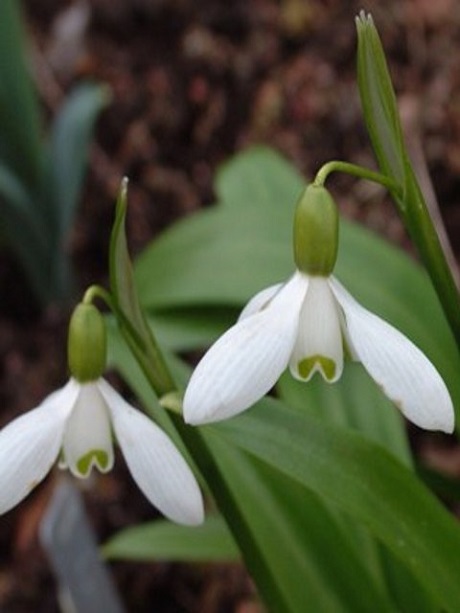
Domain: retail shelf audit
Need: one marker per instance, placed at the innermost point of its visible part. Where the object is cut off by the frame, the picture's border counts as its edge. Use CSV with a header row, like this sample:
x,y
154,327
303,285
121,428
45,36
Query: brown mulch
x,y
193,82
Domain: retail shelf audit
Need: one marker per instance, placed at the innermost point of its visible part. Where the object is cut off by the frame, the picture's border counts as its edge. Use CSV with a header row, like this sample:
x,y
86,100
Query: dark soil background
x,y
192,82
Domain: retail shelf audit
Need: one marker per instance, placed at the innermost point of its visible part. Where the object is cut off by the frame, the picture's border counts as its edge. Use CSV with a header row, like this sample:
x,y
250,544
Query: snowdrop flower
x,y
75,423
308,324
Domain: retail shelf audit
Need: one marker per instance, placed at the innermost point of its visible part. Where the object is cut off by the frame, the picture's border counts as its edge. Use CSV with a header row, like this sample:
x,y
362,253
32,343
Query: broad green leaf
x,y
188,329
224,254
355,401
363,480
71,137
163,540
291,543
20,146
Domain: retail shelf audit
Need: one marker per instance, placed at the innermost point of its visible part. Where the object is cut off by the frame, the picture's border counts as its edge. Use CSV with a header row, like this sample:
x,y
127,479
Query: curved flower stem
x,y
97,291
145,349
355,170
417,219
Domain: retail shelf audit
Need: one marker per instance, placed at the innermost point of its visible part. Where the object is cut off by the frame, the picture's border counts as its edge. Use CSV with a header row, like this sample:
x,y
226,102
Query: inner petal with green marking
x,y
87,437
97,458
319,343
317,363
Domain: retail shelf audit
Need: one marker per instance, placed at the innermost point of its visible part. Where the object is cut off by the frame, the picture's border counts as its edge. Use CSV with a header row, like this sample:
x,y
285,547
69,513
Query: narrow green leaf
x,y
163,540
23,230
71,136
18,210
362,480
20,145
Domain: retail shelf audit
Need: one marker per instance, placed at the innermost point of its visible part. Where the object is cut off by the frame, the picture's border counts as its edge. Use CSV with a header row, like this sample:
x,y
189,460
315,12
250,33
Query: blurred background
x,y
191,82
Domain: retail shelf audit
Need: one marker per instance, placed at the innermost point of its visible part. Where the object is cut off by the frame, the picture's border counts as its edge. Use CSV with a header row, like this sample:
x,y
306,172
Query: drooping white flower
x,y
76,423
306,324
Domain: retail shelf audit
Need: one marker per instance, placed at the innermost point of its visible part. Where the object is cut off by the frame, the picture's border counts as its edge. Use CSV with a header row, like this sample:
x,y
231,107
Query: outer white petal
x,y
88,432
156,465
405,374
30,444
260,300
246,361
319,333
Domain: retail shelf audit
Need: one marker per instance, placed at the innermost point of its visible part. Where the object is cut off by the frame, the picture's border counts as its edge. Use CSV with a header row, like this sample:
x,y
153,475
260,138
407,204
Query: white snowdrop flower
x,y
306,323
75,424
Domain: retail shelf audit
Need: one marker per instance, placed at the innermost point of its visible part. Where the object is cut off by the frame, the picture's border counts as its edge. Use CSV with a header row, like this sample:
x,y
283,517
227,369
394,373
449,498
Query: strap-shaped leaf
x,y
20,145
363,480
163,540
71,136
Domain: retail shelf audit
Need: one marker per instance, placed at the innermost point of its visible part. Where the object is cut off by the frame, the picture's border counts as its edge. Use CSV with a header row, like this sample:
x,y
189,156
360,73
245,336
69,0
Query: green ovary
x,y
96,457
307,366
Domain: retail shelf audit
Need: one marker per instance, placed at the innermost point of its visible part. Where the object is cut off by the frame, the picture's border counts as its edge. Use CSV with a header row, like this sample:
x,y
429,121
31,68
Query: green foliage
x,y
363,480
321,514
163,540
40,179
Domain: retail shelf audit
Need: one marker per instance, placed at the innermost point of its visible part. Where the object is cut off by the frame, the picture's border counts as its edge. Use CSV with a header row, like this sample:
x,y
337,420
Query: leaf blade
x,y
163,540
414,526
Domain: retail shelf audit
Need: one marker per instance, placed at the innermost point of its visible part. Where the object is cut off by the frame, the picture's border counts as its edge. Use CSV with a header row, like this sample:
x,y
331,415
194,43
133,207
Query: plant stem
x,y
355,170
420,226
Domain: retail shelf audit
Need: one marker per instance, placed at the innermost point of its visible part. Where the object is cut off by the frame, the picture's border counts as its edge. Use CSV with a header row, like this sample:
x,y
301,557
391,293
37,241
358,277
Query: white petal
x,y
156,465
260,300
247,360
30,444
319,340
405,374
87,438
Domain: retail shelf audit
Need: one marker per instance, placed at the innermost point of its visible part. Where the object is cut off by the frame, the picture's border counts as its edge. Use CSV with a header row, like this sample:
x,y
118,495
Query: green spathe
x,y
87,343
316,230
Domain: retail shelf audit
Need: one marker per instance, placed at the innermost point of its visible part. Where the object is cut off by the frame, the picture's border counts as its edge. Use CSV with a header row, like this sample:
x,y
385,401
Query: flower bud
x,y
316,232
87,343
